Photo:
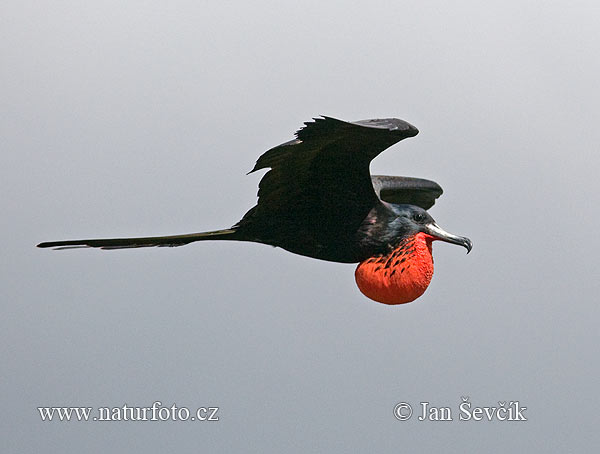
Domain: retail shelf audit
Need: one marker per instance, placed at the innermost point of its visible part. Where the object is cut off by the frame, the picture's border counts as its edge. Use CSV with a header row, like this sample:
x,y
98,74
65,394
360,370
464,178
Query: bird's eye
x,y
419,217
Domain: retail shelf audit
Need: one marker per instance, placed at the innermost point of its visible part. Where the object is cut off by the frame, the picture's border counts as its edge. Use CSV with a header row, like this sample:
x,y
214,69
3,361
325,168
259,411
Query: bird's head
x,y
411,220
404,271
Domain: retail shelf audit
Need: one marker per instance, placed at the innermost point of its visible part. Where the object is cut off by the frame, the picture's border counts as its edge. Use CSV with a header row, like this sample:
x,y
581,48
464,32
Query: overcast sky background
x,y
141,118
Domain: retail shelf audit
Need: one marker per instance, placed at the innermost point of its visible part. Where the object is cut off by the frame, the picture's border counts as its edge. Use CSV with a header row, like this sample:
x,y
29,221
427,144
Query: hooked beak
x,y
440,234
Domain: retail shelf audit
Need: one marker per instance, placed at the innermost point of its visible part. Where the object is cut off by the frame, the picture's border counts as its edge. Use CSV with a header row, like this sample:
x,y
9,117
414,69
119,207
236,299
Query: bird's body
x,y
319,200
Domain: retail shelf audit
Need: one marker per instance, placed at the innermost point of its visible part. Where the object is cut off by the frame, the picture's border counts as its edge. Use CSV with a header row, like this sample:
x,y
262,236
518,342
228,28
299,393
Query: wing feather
x,y
320,182
406,190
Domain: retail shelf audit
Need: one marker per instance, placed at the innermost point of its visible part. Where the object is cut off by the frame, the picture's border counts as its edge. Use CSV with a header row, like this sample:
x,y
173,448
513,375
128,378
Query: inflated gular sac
x,y
400,276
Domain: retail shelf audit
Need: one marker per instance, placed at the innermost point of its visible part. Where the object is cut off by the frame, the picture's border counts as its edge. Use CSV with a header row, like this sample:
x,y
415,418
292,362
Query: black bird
x,y
319,200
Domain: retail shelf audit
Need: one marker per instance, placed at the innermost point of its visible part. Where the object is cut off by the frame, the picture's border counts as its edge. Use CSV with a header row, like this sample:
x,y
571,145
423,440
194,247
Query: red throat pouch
x,y
401,276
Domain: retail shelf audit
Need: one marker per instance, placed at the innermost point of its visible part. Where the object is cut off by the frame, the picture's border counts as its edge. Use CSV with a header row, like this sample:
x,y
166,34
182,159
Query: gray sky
x,y
142,118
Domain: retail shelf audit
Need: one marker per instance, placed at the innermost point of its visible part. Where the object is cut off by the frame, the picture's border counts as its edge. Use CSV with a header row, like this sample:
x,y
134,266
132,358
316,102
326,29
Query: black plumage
x,y
318,198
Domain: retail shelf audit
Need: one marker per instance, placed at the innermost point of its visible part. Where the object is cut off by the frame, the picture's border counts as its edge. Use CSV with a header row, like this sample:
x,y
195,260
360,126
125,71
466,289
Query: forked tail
x,y
150,241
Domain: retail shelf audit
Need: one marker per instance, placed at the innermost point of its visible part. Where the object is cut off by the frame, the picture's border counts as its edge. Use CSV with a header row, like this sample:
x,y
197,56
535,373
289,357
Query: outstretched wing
x,y
319,184
407,190
150,241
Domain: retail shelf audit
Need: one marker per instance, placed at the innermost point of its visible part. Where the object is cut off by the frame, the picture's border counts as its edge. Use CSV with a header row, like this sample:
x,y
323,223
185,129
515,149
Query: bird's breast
x,y
401,276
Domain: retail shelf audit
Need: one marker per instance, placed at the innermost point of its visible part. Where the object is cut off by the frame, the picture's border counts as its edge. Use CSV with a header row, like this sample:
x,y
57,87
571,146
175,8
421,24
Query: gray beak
x,y
437,232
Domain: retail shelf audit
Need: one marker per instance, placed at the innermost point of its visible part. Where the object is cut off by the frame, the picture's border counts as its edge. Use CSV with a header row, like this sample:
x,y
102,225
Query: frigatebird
x,y
319,200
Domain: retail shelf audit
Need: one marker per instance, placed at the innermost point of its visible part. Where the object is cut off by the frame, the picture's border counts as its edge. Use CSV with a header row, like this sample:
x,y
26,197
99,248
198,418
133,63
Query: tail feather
x,y
151,241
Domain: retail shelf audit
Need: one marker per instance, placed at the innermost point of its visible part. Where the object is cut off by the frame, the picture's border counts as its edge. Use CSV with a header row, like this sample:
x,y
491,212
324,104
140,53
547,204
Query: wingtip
x,y
48,245
59,245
